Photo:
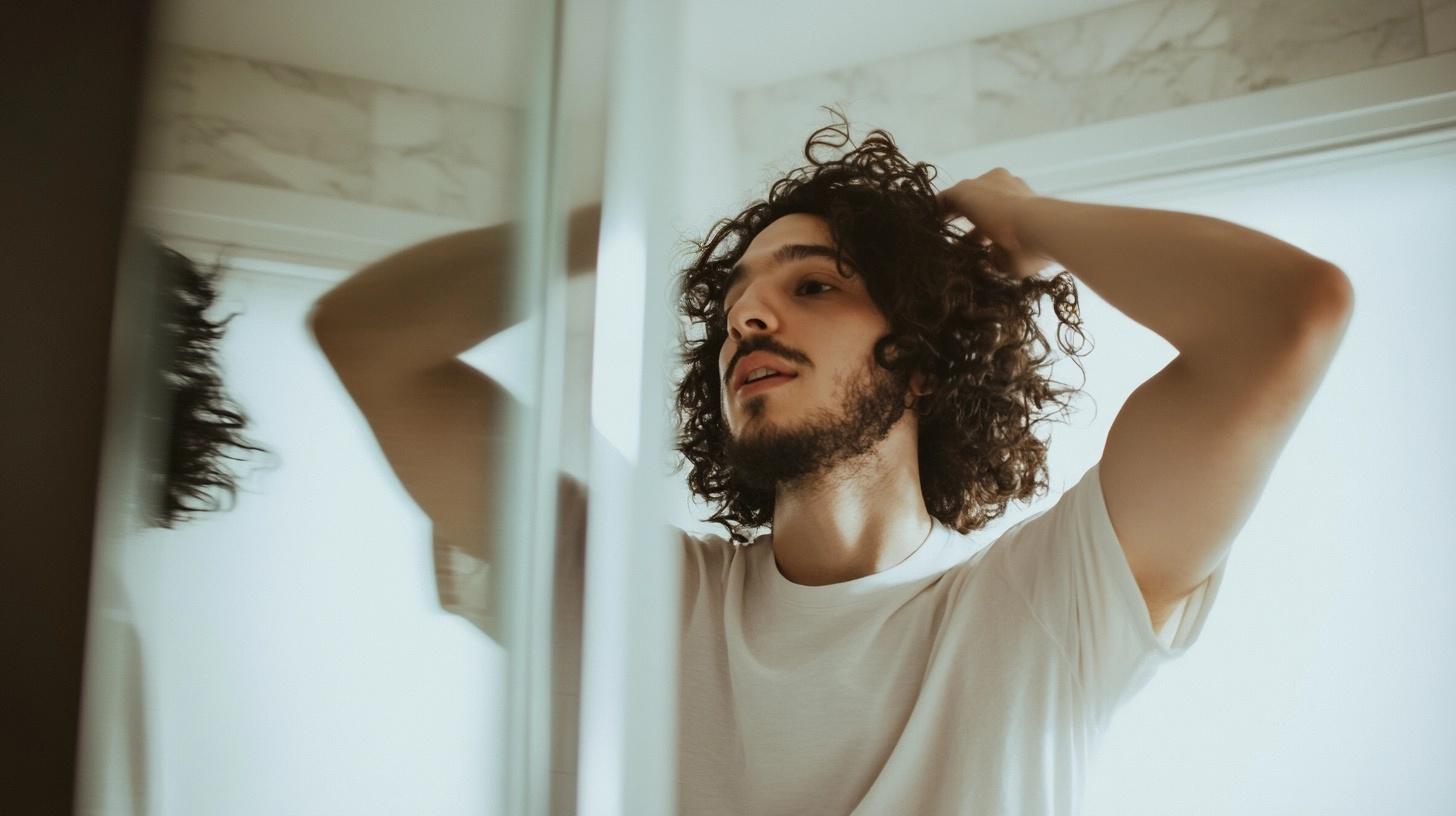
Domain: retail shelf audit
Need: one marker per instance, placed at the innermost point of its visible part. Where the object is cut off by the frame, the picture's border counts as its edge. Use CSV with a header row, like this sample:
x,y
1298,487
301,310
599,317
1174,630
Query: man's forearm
x,y
427,304
1203,284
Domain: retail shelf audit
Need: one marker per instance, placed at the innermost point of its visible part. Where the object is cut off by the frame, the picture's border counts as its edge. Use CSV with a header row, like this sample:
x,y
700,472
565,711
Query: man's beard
x,y
873,402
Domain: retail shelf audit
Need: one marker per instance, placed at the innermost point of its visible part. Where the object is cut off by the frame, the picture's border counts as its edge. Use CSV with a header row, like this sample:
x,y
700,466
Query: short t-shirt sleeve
x,y
465,586
705,563
466,583
1067,565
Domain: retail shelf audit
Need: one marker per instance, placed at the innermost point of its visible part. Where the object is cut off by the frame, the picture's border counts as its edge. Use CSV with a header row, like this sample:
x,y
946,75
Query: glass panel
x,y
347,372
632,619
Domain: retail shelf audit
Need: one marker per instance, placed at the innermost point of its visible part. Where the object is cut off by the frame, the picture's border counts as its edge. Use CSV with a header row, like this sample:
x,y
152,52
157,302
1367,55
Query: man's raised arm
x,y
393,333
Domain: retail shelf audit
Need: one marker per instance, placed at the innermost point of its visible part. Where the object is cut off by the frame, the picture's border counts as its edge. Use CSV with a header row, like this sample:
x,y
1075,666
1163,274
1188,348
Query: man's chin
x,y
766,455
763,430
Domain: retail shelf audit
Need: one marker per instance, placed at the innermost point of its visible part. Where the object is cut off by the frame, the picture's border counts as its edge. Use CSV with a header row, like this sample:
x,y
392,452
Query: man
x,y
861,394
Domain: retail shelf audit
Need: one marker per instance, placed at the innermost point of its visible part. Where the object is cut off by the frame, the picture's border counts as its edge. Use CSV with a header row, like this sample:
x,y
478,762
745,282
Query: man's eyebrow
x,y
785,254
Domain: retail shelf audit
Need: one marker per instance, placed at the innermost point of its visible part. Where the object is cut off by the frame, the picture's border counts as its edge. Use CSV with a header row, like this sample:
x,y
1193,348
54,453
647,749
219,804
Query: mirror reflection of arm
x,y
393,333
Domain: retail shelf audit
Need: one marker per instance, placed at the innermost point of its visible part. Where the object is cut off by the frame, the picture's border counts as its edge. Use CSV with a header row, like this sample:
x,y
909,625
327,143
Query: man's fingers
x,y
943,202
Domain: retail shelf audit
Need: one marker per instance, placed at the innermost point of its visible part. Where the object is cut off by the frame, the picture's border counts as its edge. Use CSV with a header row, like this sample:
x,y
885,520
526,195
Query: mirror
x,y
330,462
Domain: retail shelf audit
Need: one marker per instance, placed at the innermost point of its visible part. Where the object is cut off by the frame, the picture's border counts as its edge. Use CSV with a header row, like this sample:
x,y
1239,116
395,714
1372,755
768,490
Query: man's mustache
x,y
763,343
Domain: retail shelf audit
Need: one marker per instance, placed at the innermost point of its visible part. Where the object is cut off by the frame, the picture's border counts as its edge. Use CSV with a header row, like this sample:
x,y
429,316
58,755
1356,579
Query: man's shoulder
x,y
707,553
703,540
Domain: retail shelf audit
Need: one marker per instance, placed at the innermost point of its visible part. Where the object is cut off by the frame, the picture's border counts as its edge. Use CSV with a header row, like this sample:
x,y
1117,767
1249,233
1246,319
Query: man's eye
x,y
807,284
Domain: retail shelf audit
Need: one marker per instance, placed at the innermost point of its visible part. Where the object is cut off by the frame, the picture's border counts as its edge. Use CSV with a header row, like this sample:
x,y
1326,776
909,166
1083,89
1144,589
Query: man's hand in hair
x,y
993,203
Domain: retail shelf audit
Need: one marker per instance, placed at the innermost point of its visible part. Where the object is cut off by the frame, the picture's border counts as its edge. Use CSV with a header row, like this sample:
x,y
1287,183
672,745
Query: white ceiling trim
x,y
280,225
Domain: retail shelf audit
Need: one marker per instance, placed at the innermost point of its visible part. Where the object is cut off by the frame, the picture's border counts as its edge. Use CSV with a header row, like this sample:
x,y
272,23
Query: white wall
x,y
1320,682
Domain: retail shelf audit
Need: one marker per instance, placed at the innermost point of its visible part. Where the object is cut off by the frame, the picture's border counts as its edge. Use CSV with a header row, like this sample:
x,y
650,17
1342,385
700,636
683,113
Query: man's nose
x,y
751,315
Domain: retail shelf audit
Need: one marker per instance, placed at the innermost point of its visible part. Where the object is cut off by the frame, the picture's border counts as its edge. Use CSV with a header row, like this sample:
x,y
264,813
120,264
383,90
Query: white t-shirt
x,y
963,680
960,681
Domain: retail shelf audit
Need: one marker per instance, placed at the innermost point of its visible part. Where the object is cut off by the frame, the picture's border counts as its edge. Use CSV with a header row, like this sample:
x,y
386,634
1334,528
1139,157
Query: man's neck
x,y
859,518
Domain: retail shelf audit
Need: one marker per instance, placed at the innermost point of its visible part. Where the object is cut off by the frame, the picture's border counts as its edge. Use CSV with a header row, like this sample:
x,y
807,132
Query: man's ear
x,y
918,389
918,385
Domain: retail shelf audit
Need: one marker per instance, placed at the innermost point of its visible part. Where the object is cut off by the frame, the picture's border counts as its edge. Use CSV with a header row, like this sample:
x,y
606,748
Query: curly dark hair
x,y
204,425
966,327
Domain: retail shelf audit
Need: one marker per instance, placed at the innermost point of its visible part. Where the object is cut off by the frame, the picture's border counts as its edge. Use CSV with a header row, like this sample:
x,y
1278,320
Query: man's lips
x,y
764,384
754,361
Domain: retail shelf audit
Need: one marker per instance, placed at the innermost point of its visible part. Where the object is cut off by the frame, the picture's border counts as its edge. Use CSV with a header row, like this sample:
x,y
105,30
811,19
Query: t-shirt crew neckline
x,y
923,562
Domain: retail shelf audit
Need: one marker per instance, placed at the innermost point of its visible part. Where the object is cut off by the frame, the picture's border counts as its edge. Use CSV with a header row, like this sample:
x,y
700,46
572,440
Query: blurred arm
x,y
393,333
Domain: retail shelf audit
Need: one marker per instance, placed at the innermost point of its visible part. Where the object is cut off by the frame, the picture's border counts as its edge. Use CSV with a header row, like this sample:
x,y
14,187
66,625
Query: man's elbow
x,y
1322,312
329,333
1328,298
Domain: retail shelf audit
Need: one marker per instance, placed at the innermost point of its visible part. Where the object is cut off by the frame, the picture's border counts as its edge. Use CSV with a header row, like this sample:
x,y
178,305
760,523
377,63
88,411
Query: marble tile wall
x,y
1141,57
234,119
1440,24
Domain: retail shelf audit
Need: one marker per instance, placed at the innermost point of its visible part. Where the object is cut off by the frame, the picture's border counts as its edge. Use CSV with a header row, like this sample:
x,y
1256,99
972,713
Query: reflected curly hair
x,y
204,425
968,328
